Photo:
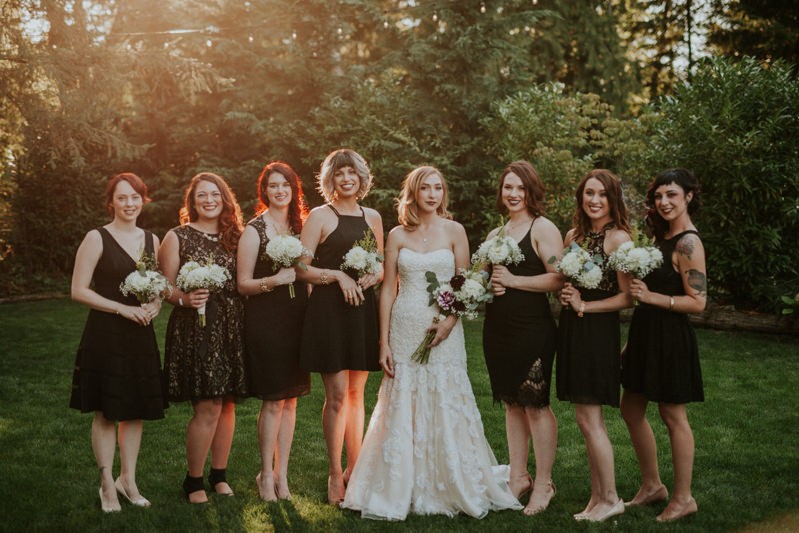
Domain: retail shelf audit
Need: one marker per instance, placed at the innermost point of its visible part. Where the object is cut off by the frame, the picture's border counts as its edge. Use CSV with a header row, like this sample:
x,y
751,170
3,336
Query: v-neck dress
x,y
118,365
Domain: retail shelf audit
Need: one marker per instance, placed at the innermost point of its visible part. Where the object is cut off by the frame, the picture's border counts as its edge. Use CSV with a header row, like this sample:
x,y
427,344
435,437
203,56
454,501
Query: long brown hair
x,y
298,210
615,196
230,220
533,188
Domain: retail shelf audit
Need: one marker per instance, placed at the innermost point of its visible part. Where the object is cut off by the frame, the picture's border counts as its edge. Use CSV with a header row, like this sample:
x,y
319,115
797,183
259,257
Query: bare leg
x,y
544,428
129,438
333,424
104,445
284,439
199,434
222,441
517,429
682,455
268,428
600,453
633,410
354,414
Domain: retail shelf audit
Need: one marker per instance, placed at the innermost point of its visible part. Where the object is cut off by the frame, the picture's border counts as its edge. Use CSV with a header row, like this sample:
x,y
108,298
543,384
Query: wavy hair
x,y
615,196
134,181
343,157
689,184
407,208
533,188
298,209
230,220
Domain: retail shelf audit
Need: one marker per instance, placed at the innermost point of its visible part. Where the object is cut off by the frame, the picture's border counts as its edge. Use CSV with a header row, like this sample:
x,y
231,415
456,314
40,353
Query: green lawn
x,y
747,459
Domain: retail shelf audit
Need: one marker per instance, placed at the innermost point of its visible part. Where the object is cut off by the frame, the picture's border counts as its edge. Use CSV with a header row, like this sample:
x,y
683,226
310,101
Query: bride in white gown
x,y
425,451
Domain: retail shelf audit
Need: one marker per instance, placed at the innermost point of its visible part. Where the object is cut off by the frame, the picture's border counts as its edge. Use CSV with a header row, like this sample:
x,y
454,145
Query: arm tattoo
x,y
697,281
686,247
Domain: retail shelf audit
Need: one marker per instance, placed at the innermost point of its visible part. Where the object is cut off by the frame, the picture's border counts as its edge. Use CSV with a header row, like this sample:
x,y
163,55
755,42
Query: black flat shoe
x,y
192,485
218,475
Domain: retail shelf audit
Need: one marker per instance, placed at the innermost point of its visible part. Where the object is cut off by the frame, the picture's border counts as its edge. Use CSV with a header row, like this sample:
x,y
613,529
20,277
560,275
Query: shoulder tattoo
x,y
686,247
697,281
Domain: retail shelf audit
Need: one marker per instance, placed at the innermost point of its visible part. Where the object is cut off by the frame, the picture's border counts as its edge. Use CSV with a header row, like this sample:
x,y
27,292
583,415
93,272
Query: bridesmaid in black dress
x,y
519,334
589,339
118,367
205,364
273,324
340,333
661,361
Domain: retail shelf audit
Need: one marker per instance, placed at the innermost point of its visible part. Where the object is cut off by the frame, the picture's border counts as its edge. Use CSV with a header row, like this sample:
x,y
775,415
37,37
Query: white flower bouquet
x,y
145,283
285,251
580,268
208,275
363,257
460,296
635,260
498,250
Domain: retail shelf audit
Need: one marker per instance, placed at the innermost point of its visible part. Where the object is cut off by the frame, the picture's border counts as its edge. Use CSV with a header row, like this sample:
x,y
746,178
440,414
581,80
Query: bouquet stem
x,y
422,353
201,315
291,290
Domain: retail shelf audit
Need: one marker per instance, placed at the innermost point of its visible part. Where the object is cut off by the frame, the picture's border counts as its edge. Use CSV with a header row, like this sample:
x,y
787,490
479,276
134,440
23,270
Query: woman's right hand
x,y
196,298
353,294
285,276
387,361
136,314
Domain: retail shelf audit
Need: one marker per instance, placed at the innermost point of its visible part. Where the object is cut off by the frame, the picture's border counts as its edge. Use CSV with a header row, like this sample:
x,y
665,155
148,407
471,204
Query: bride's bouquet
x,y
580,268
285,251
636,260
498,250
363,257
208,275
145,283
460,296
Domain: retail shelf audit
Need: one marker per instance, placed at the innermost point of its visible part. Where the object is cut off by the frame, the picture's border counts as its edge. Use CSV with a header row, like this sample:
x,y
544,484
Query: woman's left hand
x,y
501,279
570,296
370,280
639,291
152,308
442,330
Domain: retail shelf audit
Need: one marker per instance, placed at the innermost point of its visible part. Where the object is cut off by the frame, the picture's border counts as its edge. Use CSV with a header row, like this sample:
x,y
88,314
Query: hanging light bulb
x,y
435,16
482,7
294,34
385,24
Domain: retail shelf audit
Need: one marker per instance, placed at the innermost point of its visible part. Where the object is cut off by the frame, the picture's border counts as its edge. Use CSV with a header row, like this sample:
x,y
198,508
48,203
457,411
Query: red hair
x,y
298,209
230,220
134,181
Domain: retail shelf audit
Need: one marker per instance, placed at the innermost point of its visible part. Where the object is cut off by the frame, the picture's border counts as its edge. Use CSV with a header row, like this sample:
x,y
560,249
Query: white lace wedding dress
x,y
425,451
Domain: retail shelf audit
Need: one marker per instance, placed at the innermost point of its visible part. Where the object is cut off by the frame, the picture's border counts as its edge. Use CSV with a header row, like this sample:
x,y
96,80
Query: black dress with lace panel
x,y
206,362
661,359
272,333
519,338
588,363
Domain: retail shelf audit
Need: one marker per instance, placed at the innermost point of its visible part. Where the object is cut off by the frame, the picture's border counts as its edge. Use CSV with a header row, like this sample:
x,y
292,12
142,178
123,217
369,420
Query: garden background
x,y
168,88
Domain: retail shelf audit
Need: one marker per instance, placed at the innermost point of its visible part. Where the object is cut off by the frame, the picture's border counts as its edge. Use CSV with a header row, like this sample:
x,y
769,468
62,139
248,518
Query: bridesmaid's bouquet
x,y
208,275
363,257
636,260
145,283
580,267
460,296
498,250
285,251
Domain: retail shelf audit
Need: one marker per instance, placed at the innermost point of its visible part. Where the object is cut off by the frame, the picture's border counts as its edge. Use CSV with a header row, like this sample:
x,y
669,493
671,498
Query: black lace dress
x,y
519,338
272,332
589,348
206,362
118,365
337,336
661,359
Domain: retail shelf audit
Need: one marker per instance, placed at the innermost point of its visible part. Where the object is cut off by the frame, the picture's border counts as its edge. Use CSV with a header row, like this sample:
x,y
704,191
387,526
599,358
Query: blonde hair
x,y
407,210
341,158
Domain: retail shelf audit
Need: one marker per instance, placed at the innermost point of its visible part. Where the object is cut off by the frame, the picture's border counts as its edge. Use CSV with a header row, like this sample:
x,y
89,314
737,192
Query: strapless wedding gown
x,y
425,450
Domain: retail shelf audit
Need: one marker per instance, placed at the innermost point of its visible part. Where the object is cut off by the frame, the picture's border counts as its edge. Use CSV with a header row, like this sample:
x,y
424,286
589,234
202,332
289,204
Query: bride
x,y
424,451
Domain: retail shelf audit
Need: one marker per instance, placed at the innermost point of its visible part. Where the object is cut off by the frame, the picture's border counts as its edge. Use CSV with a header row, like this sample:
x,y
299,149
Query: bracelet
x,y
323,278
180,301
671,303
265,286
582,310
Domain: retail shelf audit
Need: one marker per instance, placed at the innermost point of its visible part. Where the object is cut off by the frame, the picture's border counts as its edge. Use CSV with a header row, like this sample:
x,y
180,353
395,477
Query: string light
x,y
482,7
435,16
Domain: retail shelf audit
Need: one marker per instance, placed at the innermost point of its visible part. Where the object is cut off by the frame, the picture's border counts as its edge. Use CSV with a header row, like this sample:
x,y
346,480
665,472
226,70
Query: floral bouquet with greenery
x,y
498,250
363,257
208,275
460,296
636,260
145,283
580,267
285,251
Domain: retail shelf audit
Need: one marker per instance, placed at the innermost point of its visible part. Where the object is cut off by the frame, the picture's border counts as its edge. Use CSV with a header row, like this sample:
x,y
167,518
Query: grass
x,y
747,466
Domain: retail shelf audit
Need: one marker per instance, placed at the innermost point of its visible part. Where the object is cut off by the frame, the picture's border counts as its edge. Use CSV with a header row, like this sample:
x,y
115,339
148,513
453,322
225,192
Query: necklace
x,y
280,229
510,227
422,233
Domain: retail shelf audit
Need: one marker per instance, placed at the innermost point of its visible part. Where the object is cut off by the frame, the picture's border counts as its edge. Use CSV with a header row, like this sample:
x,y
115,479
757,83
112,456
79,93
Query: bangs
x,y
343,158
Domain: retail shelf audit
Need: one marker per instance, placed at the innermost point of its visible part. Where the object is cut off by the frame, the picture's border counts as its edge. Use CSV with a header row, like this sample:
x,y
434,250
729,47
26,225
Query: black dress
x,y
118,365
272,330
661,360
206,362
589,348
337,336
519,338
